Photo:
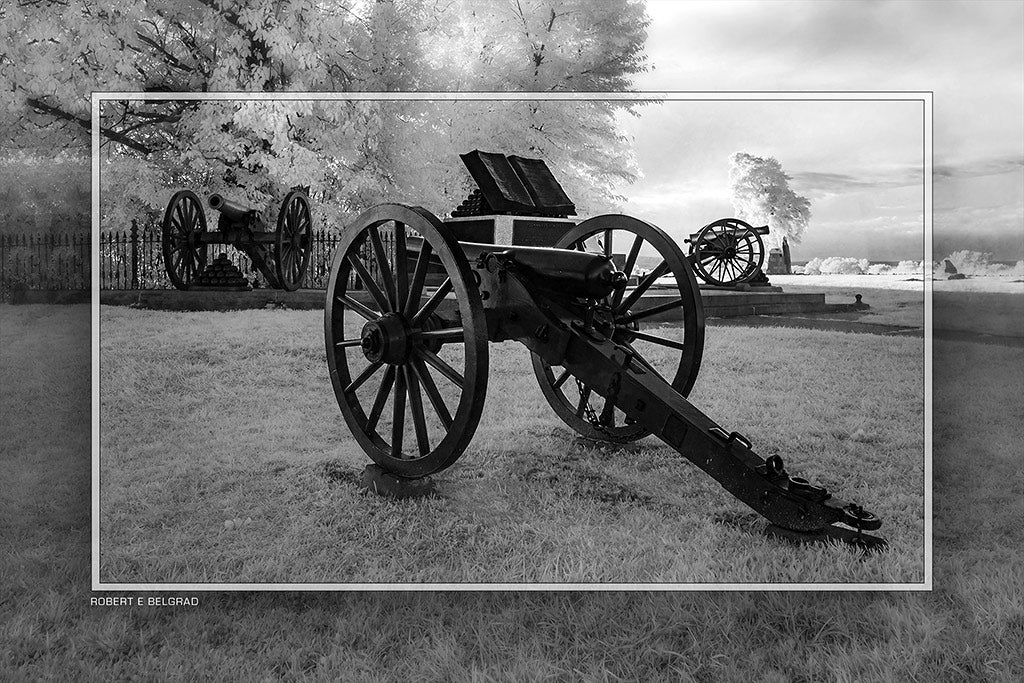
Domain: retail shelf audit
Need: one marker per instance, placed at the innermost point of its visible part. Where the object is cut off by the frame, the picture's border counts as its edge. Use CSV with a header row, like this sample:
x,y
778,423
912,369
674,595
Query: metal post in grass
x,y
135,254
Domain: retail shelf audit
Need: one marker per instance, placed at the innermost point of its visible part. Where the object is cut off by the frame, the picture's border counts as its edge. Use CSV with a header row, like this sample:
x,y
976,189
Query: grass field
x,y
208,418
971,627
992,306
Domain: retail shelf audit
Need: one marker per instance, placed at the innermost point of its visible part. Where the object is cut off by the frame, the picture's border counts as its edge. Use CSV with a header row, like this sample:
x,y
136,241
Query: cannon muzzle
x,y
233,210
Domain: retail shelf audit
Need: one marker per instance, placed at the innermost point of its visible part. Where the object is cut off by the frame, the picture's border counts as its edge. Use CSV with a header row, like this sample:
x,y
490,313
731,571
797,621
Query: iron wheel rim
x,y
569,406
727,252
412,378
185,254
293,241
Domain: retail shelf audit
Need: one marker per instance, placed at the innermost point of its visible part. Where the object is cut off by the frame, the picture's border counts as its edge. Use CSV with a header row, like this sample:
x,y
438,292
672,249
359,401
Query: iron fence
x,y
133,259
54,261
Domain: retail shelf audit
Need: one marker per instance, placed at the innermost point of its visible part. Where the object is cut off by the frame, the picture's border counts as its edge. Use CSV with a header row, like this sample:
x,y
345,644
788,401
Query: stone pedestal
x,y
776,262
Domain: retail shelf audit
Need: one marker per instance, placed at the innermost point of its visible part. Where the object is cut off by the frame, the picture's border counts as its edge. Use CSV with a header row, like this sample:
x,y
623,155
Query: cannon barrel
x,y
233,210
562,271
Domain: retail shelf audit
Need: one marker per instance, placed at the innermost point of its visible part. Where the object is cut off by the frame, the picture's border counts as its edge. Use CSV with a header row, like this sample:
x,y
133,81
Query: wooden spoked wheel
x,y
183,246
294,240
670,348
396,340
727,252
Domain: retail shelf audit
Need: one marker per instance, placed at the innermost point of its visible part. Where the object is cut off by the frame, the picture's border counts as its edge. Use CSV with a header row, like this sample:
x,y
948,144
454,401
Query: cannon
x,y
280,255
727,252
408,352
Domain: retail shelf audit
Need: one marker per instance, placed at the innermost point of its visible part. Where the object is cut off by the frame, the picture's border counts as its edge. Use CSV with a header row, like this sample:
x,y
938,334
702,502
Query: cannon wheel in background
x,y
727,252
184,251
677,350
403,334
294,241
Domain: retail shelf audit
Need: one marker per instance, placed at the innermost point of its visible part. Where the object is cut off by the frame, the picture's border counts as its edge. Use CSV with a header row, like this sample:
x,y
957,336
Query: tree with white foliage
x,y
351,154
761,194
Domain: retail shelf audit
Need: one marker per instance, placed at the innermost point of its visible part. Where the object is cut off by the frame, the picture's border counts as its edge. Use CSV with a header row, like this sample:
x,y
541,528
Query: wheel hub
x,y
385,340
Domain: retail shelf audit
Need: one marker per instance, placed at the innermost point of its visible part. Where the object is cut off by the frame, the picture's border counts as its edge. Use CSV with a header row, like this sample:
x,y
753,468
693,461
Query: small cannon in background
x,y
280,255
727,252
413,343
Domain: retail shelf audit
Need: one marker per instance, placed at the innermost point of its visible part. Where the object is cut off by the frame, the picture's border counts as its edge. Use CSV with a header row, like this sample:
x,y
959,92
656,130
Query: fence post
x,y
135,254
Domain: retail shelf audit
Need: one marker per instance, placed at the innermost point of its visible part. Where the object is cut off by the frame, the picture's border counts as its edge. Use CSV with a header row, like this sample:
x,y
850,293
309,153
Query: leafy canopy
x,y
350,154
761,194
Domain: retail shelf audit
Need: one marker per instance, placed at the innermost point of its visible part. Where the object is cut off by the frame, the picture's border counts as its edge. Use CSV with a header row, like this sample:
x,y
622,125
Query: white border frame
x,y
926,99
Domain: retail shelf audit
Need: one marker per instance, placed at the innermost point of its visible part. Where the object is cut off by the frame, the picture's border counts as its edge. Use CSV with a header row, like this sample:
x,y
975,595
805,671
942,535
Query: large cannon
x,y
280,255
408,359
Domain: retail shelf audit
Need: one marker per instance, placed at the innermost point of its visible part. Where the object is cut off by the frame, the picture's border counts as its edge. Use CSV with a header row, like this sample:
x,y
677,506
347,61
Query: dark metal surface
x,y
515,185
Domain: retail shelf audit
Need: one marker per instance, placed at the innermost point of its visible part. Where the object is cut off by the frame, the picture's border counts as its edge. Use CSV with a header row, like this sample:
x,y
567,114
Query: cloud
x,y
979,168
821,184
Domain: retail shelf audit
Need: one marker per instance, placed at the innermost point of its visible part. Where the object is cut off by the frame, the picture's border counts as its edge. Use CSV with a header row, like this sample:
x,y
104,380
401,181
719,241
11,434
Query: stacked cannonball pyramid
x,y
221,274
474,205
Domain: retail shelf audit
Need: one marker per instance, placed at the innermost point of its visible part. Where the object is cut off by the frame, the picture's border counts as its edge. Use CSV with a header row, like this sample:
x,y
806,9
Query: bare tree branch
x,y
110,134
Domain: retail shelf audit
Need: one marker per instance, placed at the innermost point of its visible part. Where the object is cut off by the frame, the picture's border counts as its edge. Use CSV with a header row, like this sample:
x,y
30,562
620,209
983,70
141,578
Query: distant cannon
x,y
280,255
727,252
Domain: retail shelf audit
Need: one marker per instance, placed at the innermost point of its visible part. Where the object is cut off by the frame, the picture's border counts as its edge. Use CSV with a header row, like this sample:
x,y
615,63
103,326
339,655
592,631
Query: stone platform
x,y
718,302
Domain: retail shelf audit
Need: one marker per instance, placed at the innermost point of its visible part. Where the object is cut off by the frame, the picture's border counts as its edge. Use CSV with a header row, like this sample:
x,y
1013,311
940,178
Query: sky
x,y
859,162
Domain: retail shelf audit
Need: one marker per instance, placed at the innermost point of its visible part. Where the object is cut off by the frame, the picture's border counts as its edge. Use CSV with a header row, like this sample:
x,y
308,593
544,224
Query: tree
x,y
352,154
761,194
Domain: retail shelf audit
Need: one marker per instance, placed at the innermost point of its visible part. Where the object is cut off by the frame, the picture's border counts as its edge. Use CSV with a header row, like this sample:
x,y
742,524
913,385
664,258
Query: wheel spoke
x,y
366,374
440,365
582,405
371,286
382,264
398,416
634,251
436,400
401,268
648,312
346,343
419,421
448,334
642,287
608,243
561,379
359,308
418,277
671,343
432,303
381,398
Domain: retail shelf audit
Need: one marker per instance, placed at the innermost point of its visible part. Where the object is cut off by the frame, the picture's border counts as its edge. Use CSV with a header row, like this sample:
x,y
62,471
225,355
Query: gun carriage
x,y
400,348
727,252
280,255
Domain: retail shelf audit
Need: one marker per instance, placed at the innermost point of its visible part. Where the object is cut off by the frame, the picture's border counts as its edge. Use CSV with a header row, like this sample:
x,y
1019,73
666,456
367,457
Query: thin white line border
x,y
925,97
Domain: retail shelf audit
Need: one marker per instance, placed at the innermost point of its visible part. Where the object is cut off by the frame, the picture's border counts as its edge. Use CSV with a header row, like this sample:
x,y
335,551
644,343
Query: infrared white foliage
x,y
761,195
979,263
351,155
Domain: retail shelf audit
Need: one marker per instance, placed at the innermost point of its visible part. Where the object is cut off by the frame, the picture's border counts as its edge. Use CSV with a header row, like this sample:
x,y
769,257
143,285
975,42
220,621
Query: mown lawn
x,y
971,627
208,419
